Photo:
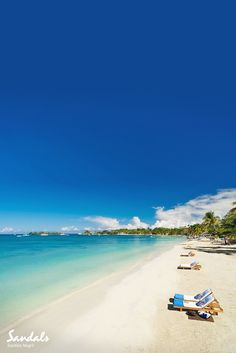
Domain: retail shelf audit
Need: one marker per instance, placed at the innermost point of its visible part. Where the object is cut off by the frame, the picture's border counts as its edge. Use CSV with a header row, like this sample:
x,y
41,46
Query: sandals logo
x,y
15,341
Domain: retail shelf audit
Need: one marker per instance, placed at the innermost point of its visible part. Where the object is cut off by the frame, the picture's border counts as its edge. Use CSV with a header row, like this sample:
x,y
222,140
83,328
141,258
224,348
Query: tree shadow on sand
x,y
216,250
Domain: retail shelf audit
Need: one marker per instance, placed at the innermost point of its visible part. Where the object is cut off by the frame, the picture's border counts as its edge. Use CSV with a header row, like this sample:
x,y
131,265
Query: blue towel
x,y
178,302
179,296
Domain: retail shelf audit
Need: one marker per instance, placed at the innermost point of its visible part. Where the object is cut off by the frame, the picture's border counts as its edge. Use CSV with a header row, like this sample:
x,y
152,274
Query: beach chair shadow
x,y
171,307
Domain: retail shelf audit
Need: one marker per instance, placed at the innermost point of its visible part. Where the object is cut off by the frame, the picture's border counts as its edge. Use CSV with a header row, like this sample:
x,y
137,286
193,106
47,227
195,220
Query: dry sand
x,y
128,312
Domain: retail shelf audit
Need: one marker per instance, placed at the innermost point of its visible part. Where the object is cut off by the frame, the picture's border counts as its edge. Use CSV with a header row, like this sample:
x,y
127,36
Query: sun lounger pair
x,y
190,253
207,302
193,298
193,266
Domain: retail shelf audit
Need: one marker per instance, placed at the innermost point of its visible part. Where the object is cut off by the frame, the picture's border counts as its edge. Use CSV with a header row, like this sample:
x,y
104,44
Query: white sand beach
x,y
129,312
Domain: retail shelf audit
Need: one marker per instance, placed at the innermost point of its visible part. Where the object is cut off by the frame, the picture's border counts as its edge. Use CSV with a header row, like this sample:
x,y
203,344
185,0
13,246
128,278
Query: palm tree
x,y
228,225
211,222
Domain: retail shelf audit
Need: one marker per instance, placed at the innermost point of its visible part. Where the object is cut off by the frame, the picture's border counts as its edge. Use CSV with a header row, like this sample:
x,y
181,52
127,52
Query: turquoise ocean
x,y
35,270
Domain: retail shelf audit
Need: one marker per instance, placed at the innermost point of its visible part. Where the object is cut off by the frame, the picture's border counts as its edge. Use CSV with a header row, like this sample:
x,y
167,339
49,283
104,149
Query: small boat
x,y
44,234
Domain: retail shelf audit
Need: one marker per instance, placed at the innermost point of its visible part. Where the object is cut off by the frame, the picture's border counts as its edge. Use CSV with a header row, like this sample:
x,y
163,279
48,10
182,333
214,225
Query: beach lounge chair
x,y
193,298
190,253
208,304
193,266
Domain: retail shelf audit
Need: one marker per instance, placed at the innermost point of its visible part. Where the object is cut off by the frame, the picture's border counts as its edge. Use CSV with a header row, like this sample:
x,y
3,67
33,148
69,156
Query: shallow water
x,y
35,270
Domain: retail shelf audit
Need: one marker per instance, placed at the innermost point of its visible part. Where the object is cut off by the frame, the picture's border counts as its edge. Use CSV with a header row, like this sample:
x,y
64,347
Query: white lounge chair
x,y
193,298
187,254
208,304
193,266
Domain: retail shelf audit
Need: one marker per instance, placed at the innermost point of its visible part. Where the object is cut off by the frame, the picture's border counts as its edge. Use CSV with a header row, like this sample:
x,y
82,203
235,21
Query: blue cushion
x,y
179,296
178,302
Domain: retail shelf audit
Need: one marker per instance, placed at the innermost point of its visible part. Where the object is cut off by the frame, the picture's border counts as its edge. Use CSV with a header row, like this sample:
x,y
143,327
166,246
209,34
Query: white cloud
x,y
7,230
70,229
104,222
136,223
189,213
113,223
193,211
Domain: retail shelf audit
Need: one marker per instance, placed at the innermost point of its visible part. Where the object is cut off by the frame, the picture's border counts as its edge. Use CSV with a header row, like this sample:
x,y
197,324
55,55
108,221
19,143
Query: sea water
x,y
35,270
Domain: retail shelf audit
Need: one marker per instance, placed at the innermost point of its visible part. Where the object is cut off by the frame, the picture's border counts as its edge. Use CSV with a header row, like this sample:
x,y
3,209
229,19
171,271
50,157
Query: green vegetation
x,y
211,226
228,224
142,231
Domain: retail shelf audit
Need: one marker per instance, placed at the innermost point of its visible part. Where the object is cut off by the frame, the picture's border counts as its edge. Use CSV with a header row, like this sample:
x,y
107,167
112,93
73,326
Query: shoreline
x,y
129,311
113,276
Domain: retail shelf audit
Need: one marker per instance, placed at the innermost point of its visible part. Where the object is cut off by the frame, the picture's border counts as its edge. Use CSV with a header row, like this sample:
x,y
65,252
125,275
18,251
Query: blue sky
x,y
111,109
